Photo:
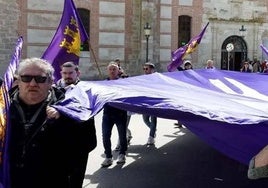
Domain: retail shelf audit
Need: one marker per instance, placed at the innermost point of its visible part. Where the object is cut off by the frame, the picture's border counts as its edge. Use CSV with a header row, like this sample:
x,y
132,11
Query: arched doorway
x,y
232,58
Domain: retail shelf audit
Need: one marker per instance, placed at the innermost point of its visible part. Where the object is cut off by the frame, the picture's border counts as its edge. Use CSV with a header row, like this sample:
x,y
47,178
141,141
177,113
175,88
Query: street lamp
x,y
242,31
147,32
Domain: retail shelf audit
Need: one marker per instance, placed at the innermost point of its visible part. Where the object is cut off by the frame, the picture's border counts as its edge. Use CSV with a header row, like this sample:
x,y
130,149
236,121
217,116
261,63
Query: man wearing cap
x,y
188,65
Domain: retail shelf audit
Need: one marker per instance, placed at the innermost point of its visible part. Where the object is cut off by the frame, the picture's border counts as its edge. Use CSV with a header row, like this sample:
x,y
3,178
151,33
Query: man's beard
x,y
68,81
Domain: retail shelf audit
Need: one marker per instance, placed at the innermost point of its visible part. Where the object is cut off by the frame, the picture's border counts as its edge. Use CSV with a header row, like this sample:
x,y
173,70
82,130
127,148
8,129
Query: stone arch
x,y
233,60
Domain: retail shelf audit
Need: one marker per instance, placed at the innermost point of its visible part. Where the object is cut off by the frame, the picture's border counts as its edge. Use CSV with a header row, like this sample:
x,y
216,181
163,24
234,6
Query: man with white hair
x,y
210,64
39,146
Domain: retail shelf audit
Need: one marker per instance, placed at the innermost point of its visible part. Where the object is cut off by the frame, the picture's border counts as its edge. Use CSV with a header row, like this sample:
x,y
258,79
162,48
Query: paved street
x,y
178,159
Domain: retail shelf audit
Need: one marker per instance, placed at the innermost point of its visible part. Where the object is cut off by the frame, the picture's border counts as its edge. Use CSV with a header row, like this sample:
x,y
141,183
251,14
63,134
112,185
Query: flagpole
x,y
94,57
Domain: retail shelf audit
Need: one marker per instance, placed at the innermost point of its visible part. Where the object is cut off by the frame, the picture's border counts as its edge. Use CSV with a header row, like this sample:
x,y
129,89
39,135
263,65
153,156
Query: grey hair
x,y
41,63
114,64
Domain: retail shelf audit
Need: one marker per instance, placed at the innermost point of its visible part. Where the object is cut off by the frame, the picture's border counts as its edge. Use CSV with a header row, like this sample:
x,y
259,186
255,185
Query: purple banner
x,y
178,55
224,108
4,108
65,45
15,59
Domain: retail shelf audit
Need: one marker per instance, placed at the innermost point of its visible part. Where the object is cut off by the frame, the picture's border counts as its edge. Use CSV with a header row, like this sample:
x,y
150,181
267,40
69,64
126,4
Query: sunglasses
x,y
145,68
37,79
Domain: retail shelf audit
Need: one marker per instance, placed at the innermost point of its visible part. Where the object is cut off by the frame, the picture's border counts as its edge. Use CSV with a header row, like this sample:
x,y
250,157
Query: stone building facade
x,y
9,17
116,30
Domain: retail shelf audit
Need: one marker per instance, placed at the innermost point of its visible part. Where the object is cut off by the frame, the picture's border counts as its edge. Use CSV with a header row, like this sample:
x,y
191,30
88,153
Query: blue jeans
x,y
151,122
108,121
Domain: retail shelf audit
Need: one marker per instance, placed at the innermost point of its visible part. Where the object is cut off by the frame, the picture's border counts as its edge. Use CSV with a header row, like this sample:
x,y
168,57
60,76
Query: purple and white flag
x,y
226,109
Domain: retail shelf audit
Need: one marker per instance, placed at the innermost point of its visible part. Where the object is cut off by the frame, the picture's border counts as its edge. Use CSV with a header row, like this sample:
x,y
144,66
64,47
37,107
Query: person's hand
x,y
52,113
261,159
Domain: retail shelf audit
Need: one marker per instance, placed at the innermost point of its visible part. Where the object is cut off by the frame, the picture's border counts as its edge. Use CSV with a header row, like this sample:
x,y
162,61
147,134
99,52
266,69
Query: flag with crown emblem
x,y
65,45
179,54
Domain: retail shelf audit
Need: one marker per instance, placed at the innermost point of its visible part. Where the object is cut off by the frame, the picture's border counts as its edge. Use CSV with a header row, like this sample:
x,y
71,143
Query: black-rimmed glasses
x,y
38,79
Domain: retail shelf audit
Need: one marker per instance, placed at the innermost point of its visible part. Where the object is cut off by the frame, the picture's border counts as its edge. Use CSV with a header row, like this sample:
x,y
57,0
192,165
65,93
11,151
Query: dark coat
x,y
84,140
40,152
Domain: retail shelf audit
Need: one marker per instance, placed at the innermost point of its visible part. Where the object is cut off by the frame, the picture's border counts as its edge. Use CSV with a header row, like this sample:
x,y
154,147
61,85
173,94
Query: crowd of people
x,y
255,66
42,153
113,116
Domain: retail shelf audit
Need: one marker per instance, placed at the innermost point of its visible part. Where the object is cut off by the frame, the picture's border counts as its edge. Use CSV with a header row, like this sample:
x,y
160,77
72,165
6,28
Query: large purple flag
x,y
65,45
6,85
226,109
179,54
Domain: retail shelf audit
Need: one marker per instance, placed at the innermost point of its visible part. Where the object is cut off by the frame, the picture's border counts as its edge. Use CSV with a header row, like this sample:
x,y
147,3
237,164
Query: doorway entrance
x,y
232,58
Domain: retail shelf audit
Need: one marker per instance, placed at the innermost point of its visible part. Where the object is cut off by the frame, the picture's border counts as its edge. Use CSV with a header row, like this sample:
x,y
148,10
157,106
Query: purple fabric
x,y
4,107
179,54
224,108
9,74
65,45
176,58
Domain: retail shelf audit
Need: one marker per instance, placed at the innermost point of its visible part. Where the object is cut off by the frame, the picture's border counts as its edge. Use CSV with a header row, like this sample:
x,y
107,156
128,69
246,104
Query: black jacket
x,y
39,151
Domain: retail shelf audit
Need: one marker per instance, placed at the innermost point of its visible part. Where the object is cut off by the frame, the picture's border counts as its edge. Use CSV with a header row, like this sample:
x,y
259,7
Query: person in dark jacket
x,y
246,67
111,116
40,138
83,135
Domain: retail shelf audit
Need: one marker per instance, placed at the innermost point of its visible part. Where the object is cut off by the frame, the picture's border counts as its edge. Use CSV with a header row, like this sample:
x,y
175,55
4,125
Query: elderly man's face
x,y
113,72
33,85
